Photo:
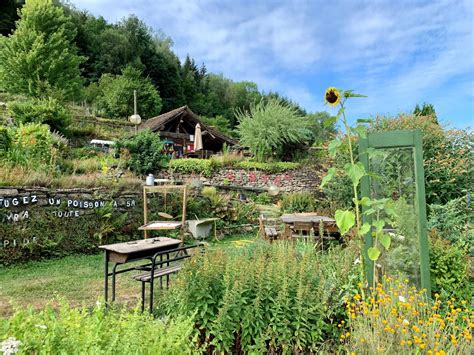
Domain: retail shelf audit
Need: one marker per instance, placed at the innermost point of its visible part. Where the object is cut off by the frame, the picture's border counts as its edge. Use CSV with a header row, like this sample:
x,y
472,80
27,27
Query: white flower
x,y
41,326
10,346
356,261
402,299
405,322
98,304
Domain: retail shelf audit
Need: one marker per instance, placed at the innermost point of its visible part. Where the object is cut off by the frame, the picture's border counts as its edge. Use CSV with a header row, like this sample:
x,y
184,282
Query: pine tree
x,y
39,58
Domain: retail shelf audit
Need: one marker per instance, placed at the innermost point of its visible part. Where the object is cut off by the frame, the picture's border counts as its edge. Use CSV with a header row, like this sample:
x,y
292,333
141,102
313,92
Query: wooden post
x,y
421,206
145,211
183,218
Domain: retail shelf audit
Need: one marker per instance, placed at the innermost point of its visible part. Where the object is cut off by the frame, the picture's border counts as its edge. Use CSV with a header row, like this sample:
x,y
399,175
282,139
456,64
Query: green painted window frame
x,y
399,139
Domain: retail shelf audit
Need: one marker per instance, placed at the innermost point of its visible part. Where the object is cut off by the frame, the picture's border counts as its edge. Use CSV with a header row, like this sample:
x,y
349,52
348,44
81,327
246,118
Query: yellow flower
x,y
332,96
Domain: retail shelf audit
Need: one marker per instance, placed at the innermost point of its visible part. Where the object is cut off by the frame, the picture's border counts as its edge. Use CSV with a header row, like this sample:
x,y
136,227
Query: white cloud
x,y
399,53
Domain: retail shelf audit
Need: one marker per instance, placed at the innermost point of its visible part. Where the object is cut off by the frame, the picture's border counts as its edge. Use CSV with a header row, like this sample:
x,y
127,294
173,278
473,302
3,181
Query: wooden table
x,y
289,220
121,253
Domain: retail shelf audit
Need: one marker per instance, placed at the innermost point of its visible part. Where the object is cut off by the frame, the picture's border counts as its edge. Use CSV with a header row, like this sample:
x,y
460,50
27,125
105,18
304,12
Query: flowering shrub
x,y
398,318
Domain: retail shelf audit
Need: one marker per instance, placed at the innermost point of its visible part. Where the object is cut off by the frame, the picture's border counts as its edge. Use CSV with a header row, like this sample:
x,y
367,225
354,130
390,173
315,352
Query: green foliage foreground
x,y
264,297
96,331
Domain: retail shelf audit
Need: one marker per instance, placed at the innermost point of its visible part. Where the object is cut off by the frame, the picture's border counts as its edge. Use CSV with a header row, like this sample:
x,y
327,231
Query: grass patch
x,y
78,279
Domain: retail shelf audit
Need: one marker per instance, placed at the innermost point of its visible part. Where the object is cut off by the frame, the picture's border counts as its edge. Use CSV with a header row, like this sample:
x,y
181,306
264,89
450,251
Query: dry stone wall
x,y
305,179
41,222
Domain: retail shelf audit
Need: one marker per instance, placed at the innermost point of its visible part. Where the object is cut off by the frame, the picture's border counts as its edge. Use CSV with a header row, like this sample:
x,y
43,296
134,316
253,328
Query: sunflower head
x,y
332,96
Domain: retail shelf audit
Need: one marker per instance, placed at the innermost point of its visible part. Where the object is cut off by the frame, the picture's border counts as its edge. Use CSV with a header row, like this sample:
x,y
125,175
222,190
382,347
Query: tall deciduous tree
x,y
39,59
116,95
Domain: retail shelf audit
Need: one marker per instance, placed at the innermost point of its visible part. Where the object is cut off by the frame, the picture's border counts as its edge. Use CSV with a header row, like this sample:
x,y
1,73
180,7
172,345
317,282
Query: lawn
x,y
78,278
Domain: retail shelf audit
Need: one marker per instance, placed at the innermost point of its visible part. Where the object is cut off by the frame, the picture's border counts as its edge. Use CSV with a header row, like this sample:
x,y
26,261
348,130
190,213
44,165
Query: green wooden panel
x,y
365,191
421,206
399,139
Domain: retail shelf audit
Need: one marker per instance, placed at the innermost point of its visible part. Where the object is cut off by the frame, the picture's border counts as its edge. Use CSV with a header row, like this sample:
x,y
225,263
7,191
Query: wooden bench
x,y
158,269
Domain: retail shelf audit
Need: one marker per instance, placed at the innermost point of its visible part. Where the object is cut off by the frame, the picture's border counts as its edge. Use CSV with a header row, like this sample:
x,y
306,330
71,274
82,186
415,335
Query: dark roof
x,y
184,112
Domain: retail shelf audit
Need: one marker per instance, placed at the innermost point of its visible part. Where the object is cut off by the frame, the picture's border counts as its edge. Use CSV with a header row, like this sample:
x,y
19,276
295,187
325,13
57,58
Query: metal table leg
x,y
106,277
114,269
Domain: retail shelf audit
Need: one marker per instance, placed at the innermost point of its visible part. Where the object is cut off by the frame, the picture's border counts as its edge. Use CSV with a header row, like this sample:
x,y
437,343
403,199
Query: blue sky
x,y
399,53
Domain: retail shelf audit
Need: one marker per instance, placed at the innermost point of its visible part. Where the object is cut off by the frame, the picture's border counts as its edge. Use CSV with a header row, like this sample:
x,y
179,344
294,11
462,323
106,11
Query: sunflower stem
x,y
355,190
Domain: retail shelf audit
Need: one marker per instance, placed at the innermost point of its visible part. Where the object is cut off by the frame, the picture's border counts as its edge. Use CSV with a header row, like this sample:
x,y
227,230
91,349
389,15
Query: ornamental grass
x,y
398,318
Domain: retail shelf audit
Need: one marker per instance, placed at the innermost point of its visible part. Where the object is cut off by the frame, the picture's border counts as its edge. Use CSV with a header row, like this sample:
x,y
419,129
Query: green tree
x,y
322,132
426,110
220,123
145,150
116,98
163,68
39,59
270,128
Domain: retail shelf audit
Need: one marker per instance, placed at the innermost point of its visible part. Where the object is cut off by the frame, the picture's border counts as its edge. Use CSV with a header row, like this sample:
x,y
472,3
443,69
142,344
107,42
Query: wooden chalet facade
x,y
177,129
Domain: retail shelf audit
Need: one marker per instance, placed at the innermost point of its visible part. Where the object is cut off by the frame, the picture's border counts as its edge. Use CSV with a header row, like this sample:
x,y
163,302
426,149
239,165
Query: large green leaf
x,y
333,146
379,224
355,172
330,121
385,240
328,177
373,253
345,220
364,229
361,131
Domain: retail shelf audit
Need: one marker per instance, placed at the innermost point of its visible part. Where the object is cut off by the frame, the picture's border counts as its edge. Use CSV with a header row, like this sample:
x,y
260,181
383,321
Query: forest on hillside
x,y
107,61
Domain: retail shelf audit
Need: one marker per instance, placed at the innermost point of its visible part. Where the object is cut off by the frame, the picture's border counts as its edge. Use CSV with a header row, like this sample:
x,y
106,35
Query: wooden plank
x,y
422,221
391,139
145,211
163,188
305,217
158,273
141,245
160,225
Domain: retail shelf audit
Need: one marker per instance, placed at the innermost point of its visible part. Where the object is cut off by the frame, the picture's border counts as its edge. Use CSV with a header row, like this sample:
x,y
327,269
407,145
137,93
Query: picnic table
x,y
310,219
122,253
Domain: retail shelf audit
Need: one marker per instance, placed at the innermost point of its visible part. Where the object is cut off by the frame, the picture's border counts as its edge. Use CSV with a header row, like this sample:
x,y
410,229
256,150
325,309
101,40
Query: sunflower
x,y
333,96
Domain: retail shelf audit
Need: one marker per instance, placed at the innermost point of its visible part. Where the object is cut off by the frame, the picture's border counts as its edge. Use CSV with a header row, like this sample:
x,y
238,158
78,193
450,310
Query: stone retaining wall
x,y
305,179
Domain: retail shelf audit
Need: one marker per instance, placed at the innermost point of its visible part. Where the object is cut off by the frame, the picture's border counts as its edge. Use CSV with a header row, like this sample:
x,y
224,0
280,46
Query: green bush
x,y
146,152
453,221
448,157
273,167
271,128
298,202
5,141
116,98
97,331
29,145
48,111
264,298
449,265
192,166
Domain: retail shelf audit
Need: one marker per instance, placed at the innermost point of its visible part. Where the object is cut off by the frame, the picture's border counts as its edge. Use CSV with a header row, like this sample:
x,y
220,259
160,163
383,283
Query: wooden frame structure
x,y
399,139
163,225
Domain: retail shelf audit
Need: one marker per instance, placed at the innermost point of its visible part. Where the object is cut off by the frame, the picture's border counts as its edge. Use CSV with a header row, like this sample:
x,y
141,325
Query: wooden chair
x,y
268,228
